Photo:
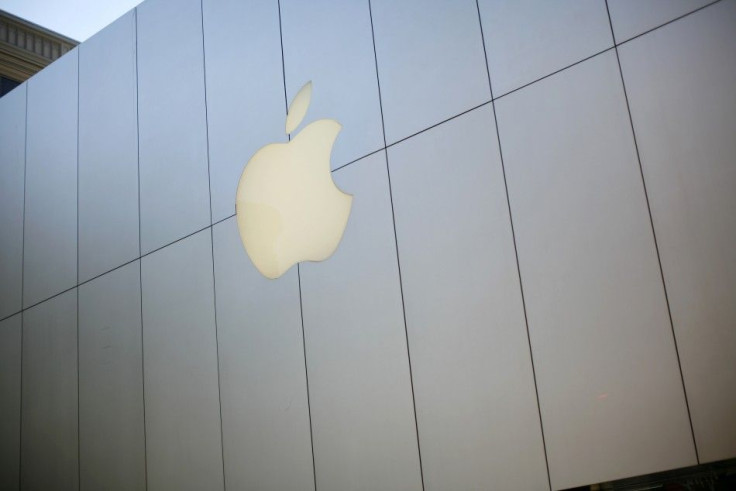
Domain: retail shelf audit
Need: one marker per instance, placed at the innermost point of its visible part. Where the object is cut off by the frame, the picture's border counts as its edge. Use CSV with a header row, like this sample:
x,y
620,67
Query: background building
x,y
25,49
535,289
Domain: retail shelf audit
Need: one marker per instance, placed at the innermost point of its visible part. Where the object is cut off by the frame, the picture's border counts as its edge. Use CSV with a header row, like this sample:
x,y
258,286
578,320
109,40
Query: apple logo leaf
x,y
298,107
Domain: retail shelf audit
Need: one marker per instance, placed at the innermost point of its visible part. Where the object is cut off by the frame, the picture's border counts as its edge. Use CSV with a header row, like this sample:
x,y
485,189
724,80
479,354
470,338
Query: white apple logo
x,y
288,208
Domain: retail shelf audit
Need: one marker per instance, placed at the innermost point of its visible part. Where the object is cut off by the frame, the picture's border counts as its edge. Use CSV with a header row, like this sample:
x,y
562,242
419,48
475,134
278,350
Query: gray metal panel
x,y
476,402
108,149
430,62
172,123
10,346
330,43
610,391
12,156
184,450
50,242
633,17
264,393
49,437
111,433
245,90
528,39
684,114
360,391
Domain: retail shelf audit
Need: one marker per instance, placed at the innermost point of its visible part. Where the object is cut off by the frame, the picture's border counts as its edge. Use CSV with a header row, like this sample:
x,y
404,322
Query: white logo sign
x,y
288,208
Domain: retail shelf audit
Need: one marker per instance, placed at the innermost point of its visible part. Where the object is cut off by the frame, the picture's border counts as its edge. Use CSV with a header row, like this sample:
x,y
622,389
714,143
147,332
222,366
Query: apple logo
x,y
288,207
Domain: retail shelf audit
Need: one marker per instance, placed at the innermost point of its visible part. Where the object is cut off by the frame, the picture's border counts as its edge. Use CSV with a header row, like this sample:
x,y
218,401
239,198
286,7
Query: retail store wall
x,y
535,288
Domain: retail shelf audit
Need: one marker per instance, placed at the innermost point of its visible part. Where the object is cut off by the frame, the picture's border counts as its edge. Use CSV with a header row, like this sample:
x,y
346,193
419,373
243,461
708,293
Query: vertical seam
x,y
306,374
22,288
206,111
654,236
217,352
20,408
212,243
283,61
396,246
79,428
516,251
140,258
299,275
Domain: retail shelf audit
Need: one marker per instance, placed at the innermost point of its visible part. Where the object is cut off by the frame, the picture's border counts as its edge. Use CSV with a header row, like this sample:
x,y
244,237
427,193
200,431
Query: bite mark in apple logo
x,y
288,208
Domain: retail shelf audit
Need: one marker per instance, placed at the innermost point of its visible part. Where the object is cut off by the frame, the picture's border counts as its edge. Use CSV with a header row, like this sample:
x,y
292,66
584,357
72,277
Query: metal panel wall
x,y
633,17
334,50
108,149
265,413
430,62
245,90
12,169
50,232
609,385
360,388
10,347
476,401
111,432
684,118
172,122
529,39
411,366
49,431
183,431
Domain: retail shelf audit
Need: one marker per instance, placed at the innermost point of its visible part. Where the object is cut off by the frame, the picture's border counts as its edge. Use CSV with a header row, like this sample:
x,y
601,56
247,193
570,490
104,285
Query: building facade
x,y
534,290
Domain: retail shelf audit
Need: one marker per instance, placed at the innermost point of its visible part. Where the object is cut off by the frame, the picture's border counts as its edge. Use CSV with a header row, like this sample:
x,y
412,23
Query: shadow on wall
x,y
716,476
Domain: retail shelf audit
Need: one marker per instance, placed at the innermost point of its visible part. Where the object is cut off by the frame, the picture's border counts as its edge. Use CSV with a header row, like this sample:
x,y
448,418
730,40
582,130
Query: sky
x,y
76,19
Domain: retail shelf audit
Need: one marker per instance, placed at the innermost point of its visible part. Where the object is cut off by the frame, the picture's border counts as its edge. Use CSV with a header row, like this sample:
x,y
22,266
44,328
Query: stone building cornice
x,y
26,48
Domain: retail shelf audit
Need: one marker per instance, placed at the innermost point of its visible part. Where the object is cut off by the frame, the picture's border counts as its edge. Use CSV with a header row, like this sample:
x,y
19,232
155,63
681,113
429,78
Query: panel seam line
x,y
298,270
212,243
140,256
396,246
654,234
79,408
516,250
